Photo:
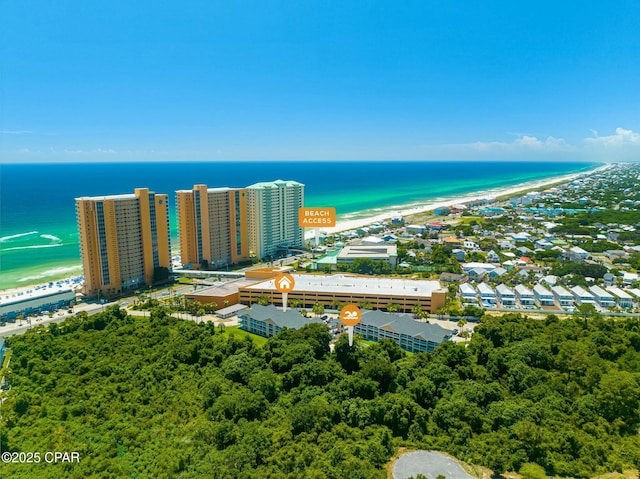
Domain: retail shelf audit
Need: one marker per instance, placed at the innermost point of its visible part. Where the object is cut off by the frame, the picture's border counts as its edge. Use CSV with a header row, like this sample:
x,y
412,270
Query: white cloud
x,y
523,143
622,137
623,145
15,132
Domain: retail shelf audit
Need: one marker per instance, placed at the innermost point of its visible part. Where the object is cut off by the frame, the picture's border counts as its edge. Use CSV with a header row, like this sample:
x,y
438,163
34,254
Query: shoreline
x,y
430,205
405,211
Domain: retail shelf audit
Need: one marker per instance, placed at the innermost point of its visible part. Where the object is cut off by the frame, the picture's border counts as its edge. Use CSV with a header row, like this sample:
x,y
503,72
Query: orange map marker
x,y
350,315
284,283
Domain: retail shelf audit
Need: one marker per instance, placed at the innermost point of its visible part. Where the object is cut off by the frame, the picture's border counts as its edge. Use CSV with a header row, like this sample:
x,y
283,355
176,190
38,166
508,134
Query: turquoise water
x,y
39,239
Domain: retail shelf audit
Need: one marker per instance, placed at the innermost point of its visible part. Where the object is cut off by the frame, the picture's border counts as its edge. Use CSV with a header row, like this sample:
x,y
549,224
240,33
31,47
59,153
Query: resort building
x,y
273,217
543,296
386,253
506,295
562,296
413,336
377,292
213,225
124,239
268,320
623,299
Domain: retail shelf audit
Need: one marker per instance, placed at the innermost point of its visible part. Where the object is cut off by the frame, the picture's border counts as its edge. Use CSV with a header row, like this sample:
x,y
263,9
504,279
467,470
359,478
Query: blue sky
x,y
319,80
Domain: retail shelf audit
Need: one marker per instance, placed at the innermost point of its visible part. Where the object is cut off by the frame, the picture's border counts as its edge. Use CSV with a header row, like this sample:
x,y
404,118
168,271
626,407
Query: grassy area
x,y
235,330
7,355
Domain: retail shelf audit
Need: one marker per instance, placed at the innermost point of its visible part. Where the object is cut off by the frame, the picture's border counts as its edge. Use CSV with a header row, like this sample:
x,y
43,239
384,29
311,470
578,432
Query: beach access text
x,y
316,217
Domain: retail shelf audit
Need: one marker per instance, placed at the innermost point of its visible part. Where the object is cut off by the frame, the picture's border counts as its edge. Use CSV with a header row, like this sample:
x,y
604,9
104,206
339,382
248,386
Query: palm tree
x,y
318,308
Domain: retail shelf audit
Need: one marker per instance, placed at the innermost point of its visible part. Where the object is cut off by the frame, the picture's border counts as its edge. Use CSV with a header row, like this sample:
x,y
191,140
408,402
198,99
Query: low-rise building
x,y
505,295
487,295
413,336
624,300
543,295
581,296
387,253
604,298
415,229
34,300
268,320
468,293
577,254
562,296
331,290
524,295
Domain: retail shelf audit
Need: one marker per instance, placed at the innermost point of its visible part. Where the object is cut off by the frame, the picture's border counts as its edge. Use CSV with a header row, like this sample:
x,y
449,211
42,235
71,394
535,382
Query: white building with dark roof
x,y
268,320
411,335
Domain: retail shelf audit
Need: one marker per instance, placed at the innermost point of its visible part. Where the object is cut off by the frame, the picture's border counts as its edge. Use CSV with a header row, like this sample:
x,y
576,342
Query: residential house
x,y
476,274
497,273
468,293
609,279
581,296
563,297
492,257
525,296
415,229
471,245
604,298
459,254
577,254
487,295
623,299
543,296
505,295
628,278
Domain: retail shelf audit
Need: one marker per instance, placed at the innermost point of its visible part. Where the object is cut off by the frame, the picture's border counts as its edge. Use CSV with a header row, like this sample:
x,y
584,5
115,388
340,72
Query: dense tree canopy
x,y
162,397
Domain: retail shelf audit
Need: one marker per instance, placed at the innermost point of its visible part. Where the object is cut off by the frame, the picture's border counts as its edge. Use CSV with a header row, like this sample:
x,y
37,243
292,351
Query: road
x,y
430,463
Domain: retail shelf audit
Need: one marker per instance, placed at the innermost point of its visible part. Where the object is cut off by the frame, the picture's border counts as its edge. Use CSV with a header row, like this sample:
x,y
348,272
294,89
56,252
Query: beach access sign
x,y
316,217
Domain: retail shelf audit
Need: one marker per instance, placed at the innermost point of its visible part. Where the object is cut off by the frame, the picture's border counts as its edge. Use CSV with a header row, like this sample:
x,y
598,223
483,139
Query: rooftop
x,y
224,288
346,283
403,324
283,319
16,296
372,252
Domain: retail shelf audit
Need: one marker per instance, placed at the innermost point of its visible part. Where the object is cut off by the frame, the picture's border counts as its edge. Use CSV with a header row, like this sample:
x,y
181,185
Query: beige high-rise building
x,y
273,217
213,226
123,240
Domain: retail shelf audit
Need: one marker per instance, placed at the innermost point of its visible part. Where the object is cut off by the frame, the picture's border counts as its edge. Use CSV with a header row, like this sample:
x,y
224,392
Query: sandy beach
x,y
346,225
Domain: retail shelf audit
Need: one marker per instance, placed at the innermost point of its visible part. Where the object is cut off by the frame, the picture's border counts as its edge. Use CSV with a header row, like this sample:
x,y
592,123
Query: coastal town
x,y
565,248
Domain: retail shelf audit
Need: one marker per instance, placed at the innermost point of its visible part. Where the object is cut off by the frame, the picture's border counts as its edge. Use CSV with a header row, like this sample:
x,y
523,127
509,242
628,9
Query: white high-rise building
x,y
273,217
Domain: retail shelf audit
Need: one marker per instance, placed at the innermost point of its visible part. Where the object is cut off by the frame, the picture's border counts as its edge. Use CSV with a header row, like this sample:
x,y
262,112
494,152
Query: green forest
x,y
165,398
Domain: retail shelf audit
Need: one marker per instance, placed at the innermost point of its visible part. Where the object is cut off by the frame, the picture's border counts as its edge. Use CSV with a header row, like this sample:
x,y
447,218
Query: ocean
x,y
39,238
